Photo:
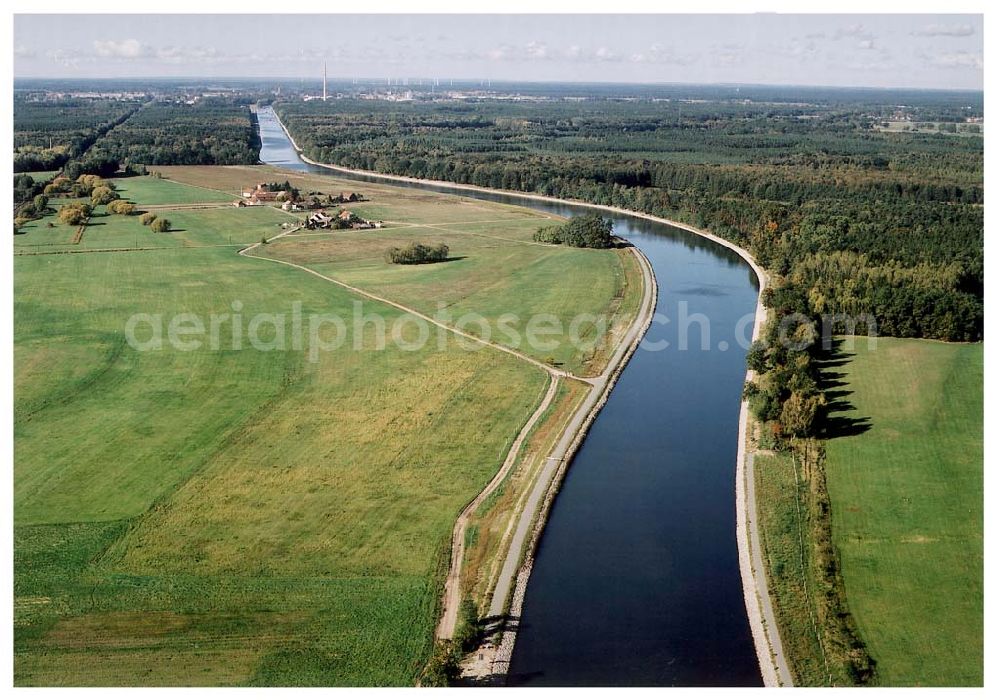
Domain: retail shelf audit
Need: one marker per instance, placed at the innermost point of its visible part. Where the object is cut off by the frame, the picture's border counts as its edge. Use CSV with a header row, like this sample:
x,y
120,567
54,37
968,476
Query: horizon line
x,y
505,81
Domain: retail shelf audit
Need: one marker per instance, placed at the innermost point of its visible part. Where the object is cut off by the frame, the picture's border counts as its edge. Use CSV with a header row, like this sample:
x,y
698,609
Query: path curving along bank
x,y
766,638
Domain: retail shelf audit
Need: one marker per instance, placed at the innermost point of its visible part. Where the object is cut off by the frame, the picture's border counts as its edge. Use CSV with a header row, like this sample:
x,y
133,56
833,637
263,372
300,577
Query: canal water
x,y
636,580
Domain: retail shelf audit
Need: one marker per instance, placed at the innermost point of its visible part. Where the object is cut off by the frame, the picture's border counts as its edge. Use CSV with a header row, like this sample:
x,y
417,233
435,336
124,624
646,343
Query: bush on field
x,y
60,185
120,206
587,231
74,214
86,185
147,218
160,225
102,195
417,253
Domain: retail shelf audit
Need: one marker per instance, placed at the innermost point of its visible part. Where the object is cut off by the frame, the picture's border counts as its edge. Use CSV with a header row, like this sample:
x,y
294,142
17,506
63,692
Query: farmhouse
x,y
343,219
260,195
318,219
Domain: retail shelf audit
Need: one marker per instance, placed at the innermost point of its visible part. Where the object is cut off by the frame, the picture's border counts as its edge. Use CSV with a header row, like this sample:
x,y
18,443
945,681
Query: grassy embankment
x,y
903,470
235,516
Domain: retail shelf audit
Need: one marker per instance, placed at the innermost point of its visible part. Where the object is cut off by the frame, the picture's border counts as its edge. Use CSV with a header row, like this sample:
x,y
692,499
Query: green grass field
x,y
785,530
904,473
907,498
42,175
190,227
235,516
496,273
495,267
152,190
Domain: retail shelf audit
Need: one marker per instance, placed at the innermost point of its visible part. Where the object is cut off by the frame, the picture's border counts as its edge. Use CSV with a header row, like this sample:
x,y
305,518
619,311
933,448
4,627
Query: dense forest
x,y
849,219
50,132
213,131
102,135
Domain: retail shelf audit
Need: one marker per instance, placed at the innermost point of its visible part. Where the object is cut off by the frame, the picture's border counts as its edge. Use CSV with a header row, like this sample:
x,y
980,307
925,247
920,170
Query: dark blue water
x,y
636,579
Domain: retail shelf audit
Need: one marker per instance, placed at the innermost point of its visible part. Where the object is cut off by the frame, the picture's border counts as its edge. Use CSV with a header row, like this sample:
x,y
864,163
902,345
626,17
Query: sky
x,y
915,51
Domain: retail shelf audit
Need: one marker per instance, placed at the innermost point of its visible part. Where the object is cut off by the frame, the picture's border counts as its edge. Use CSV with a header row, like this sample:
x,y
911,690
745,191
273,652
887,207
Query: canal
x,y
636,579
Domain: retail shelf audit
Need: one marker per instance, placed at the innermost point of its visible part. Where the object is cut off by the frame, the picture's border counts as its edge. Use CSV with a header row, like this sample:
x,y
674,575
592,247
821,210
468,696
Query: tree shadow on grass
x,y
839,417
421,263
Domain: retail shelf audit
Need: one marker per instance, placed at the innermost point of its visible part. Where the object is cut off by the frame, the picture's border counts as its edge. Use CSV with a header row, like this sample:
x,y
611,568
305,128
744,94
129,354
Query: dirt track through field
x,y
599,387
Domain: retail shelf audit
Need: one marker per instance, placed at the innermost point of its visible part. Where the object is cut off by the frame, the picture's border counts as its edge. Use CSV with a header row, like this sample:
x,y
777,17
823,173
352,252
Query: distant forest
x,y
848,219
213,131
101,135
49,133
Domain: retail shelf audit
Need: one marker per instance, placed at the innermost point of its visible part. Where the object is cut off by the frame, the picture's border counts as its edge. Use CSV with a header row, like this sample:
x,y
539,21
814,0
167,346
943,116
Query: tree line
x,y
902,212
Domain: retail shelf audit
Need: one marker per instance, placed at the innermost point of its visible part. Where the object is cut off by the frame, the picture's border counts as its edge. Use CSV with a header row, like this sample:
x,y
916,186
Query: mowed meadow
x,y
239,516
904,472
517,288
907,498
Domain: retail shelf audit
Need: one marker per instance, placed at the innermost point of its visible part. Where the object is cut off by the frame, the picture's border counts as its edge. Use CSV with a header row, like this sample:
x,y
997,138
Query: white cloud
x,y
193,54
854,31
133,49
537,50
500,53
125,49
666,55
955,59
799,49
945,30
65,57
866,44
22,51
605,54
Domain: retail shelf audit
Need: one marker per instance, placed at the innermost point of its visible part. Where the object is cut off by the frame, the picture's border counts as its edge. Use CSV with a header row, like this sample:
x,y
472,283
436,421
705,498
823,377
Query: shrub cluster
x,y
74,214
417,253
120,206
160,225
586,231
